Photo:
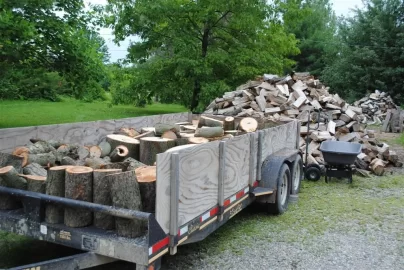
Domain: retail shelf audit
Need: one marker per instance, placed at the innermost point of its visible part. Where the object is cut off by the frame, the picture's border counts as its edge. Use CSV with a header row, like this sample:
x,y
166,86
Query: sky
x,y
341,7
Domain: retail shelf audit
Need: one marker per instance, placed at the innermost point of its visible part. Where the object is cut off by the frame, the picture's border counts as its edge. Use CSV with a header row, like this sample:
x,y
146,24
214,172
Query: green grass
x,y
33,113
400,140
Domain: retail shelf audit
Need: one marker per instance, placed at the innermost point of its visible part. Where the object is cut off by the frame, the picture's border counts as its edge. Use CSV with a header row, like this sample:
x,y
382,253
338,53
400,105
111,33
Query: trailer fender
x,y
270,171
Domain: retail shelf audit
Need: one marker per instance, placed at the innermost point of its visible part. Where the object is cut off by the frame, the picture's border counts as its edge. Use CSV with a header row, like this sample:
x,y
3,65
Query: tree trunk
x,y
126,194
12,178
34,169
11,160
102,195
105,148
119,153
43,159
7,202
55,186
209,132
195,95
131,143
151,146
229,123
78,186
146,178
35,183
248,124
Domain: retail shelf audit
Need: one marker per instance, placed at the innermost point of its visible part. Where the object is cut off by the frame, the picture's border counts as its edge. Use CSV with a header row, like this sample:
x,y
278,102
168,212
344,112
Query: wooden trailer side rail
x,y
211,172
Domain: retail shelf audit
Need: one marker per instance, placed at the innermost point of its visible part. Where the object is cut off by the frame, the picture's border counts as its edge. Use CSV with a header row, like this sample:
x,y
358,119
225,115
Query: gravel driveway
x,y
333,226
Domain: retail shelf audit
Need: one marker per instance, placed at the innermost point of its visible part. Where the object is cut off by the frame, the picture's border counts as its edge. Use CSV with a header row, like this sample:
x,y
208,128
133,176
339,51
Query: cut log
x,y
377,166
12,178
147,130
348,137
126,194
146,178
40,147
345,118
105,148
393,158
35,183
133,164
12,160
198,140
68,161
363,173
7,202
211,122
102,195
248,124
181,141
131,143
150,147
160,128
169,135
116,165
34,169
44,159
209,132
144,135
228,123
95,151
119,153
55,186
94,163
331,127
299,102
55,144
361,164
78,186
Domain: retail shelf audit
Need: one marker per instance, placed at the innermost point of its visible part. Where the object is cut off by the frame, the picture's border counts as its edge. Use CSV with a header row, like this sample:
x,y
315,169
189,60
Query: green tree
x,y
193,51
371,51
313,22
51,36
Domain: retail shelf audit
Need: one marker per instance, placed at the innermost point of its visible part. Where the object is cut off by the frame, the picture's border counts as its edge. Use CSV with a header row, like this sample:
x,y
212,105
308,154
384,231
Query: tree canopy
x,y
193,51
370,52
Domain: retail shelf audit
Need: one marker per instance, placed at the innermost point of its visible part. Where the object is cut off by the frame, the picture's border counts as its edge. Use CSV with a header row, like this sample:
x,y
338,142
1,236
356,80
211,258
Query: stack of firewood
x,y
301,97
119,171
375,106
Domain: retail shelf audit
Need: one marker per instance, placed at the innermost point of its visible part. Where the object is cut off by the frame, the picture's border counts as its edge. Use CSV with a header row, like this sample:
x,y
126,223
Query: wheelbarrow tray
x,y
340,153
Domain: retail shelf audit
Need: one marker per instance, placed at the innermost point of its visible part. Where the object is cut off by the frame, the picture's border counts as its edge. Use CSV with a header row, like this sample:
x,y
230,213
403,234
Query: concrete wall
x,y
83,132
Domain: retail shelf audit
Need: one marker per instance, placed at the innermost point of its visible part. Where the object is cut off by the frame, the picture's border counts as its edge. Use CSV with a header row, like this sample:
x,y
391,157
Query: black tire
x,y
313,174
297,175
282,192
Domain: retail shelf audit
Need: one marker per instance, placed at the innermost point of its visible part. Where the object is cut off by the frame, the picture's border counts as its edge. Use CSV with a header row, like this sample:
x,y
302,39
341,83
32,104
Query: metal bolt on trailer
x,y
269,182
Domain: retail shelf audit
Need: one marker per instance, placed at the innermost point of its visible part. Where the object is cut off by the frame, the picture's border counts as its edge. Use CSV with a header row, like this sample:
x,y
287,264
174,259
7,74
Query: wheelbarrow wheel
x,y
297,175
313,174
282,192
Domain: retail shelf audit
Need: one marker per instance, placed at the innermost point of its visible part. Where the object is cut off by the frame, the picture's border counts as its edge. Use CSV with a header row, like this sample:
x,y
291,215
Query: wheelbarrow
x,y
339,158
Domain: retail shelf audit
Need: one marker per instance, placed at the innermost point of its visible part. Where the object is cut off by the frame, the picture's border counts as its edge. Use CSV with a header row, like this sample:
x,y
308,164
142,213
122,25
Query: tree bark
x,y
133,164
95,163
119,153
78,186
105,148
131,143
117,165
160,128
55,186
68,161
126,194
228,123
11,160
150,147
102,195
43,159
7,202
146,178
12,178
209,132
211,122
35,183
34,169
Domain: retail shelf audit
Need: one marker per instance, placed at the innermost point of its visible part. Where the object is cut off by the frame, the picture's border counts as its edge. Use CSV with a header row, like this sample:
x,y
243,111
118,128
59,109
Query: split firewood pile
x,y
283,99
120,171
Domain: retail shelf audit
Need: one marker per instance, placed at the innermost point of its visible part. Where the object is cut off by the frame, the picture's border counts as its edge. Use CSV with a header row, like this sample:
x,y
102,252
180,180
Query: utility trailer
x,y
198,189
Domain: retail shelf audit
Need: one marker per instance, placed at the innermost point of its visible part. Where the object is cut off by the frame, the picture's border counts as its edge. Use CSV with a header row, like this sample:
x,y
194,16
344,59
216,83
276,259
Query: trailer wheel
x,y
282,192
297,175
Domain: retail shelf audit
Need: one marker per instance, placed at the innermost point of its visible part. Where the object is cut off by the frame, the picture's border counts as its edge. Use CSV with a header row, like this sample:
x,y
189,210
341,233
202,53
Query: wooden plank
x,y
386,121
237,164
277,138
315,104
163,190
199,170
331,127
262,103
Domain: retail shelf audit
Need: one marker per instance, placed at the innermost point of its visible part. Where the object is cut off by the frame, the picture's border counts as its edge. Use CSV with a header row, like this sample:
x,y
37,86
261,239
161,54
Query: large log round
x,y
12,178
131,143
248,124
78,186
102,195
55,186
146,178
35,183
119,153
228,123
151,146
126,194
7,202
